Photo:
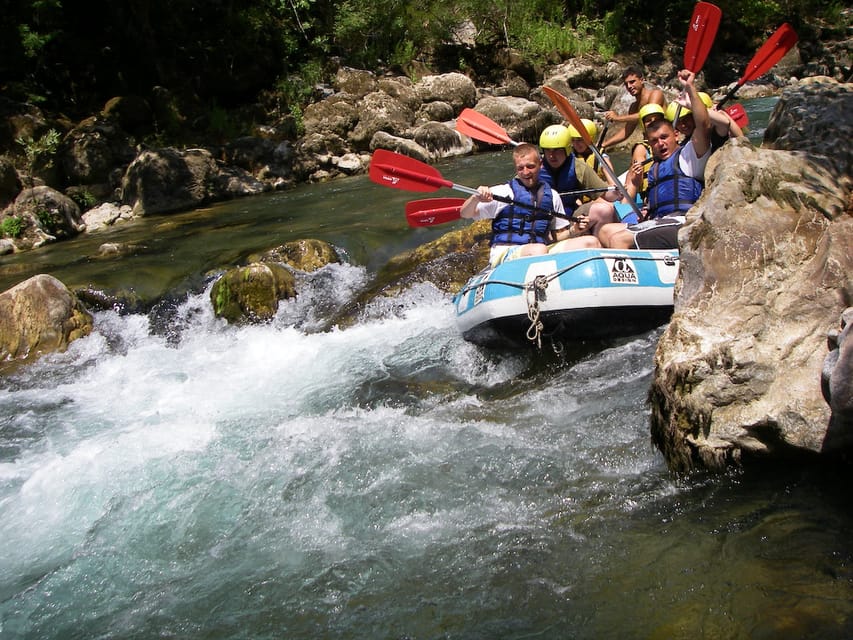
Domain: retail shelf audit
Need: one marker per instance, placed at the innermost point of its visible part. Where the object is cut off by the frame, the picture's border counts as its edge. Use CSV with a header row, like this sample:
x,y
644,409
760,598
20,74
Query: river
x,y
171,476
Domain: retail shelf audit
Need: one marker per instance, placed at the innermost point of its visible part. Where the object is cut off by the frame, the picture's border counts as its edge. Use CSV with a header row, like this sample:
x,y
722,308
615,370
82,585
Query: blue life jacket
x,y
517,225
562,179
670,190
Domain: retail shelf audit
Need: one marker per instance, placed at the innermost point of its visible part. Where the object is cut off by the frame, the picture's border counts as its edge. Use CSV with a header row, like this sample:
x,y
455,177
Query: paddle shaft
x,y
568,111
390,171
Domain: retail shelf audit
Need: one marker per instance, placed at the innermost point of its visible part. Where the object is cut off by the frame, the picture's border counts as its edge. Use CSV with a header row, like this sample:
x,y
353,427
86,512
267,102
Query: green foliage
x,y
84,198
221,123
12,226
74,56
32,42
48,219
42,149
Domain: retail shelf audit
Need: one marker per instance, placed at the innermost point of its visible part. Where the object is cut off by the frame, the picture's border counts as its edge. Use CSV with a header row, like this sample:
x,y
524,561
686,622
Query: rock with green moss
x,y
251,294
305,255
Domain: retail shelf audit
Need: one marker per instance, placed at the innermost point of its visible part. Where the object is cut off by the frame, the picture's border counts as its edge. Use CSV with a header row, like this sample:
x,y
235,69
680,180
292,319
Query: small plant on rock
x,y
44,148
12,226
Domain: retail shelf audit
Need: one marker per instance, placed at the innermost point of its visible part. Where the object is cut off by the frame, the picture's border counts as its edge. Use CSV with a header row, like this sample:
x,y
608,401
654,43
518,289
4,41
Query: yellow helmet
x,y
555,137
649,109
673,106
672,109
590,127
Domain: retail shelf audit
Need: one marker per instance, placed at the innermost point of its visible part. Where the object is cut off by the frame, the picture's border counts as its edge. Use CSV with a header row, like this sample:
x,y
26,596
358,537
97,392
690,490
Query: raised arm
x,y
701,135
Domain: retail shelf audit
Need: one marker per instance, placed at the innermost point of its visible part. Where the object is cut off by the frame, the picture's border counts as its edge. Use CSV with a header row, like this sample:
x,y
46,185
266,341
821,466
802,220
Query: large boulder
x,y
39,316
380,112
815,116
454,88
402,89
383,140
93,150
305,255
335,115
168,180
44,215
584,71
522,119
356,82
442,141
765,273
837,377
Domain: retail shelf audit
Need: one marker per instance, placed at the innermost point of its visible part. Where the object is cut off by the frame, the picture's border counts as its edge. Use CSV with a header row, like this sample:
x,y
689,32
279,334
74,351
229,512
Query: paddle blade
x,y
432,211
475,125
701,34
738,114
568,112
771,52
402,172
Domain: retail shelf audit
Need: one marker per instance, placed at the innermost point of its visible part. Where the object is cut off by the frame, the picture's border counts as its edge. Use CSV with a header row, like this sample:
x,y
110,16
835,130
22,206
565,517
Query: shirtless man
x,y
643,95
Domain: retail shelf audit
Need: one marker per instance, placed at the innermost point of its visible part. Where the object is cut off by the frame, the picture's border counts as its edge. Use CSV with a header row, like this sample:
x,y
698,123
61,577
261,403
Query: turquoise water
x,y
171,476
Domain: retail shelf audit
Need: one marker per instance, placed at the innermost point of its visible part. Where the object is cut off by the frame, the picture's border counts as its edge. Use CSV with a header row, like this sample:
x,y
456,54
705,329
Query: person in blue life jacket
x,y
518,231
675,180
565,173
641,154
723,126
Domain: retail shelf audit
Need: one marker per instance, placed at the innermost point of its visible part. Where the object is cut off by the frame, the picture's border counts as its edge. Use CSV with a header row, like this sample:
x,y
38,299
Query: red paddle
x,y
426,213
700,36
771,52
398,171
475,125
568,112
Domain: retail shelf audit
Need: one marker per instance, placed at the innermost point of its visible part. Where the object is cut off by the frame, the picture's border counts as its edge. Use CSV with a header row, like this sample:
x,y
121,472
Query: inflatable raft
x,y
569,296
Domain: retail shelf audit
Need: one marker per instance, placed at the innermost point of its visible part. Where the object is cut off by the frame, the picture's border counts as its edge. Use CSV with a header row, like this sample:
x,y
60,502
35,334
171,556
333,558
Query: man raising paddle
x,y
676,180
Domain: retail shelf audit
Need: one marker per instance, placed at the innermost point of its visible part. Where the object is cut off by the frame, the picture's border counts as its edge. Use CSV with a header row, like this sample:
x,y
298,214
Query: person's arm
x,y
470,206
724,125
701,137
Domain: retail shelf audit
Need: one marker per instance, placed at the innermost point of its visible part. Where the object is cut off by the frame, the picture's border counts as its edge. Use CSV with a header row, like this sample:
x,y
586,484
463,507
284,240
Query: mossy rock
x,y
305,255
251,294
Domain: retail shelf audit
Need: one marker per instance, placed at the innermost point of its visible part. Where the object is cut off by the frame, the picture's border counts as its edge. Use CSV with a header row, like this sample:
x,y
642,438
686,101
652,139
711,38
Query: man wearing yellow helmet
x,y
676,180
644,94
581,150
722,125
566,176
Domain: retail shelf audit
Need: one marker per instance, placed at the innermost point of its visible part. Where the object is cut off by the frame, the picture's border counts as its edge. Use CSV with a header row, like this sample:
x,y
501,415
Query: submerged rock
x,y
305,255
251,294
